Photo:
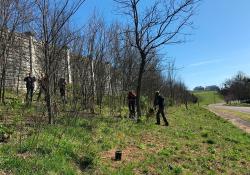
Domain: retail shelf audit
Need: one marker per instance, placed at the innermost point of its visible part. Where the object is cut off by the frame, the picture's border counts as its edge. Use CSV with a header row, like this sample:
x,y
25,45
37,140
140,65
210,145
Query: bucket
x,y
118,155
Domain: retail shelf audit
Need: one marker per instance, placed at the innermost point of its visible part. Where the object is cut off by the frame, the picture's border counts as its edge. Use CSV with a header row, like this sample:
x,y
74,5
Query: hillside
x,y
208,97
196,142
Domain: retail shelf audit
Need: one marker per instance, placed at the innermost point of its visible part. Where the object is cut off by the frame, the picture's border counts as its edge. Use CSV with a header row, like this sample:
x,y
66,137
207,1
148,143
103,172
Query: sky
x,y
218,47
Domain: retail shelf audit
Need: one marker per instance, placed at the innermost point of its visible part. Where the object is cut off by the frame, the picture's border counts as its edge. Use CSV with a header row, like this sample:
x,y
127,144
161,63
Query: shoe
x,y
157,123
166,124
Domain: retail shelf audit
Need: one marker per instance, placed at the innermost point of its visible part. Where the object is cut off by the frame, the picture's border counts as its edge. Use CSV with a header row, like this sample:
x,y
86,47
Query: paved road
x,y
221,110
232,108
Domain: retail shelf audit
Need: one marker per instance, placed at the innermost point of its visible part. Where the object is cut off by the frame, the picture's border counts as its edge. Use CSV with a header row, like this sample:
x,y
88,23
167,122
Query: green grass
x,y
197,142
208,97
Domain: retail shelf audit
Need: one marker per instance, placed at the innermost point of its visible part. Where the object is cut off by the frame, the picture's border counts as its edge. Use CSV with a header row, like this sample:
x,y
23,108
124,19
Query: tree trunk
x,y
3,79
138,90
48,104
93,86
48,83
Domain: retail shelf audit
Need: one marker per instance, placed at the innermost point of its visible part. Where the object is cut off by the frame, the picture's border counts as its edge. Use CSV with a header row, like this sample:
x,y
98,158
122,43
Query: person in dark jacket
x,y
30,85
159,101
131,104
62,86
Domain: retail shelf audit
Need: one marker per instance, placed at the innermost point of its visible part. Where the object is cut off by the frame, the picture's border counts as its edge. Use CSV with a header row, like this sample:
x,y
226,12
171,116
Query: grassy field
x,y
196,142
208,97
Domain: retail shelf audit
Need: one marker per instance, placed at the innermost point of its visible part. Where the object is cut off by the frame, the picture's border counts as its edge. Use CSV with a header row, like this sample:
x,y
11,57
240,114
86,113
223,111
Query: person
x,y
131,104
30,85
42,86
159,101
62,86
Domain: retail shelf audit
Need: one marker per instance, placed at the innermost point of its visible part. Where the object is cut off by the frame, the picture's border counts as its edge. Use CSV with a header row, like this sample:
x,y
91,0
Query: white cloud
x,y
205,62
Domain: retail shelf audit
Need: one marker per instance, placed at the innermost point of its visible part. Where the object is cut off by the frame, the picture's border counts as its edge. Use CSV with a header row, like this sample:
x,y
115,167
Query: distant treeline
x,y
237,89
207,88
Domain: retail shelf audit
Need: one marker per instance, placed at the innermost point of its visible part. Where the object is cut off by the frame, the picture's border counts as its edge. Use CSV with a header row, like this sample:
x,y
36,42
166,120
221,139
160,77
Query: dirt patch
x,y
4,173
26,155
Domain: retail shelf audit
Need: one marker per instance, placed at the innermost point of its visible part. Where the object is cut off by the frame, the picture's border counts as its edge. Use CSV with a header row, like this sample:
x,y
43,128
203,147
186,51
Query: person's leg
x,y
133,109
130,109
39,94
61,94
64,95
158,121
163,116
27,95
31,94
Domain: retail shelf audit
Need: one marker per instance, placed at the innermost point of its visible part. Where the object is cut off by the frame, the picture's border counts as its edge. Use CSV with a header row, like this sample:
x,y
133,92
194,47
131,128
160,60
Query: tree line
x,y
237,88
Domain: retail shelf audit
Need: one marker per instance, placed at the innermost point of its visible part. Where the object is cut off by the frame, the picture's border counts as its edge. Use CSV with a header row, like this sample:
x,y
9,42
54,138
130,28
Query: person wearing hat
x,y
159,101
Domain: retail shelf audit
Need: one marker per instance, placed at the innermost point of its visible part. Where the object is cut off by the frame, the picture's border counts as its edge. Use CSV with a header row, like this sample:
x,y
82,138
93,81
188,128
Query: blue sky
x,y
218,48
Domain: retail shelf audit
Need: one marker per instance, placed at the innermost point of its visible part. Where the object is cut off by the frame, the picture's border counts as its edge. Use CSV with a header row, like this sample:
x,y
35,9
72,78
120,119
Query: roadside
x,y
239,116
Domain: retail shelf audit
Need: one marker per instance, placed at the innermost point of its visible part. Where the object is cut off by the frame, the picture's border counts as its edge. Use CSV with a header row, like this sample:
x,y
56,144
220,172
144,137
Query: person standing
x,y
30,85
62,86
131,104
159,101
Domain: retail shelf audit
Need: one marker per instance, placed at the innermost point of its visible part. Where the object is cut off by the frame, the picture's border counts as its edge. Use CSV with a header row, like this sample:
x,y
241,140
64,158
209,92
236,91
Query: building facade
x,y
24,56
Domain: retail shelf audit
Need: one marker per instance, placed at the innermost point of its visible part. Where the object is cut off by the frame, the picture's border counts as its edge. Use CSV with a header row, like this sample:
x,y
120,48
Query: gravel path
x,y
220,110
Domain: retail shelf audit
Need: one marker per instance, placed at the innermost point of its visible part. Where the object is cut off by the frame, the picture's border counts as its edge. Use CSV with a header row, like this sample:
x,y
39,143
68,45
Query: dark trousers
x,y
62,93
131,106
29,94
161,112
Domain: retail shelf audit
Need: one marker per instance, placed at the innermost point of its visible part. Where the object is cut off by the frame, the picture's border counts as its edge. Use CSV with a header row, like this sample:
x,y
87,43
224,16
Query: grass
x,y
208,97
197,142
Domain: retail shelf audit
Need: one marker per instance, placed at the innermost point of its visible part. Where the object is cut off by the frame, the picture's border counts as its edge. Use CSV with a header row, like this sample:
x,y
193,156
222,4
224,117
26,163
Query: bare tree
x,y
160,24
14,15
171,76
52,18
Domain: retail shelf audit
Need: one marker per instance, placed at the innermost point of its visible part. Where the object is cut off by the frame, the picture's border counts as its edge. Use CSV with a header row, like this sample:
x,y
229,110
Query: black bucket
x,y
118,155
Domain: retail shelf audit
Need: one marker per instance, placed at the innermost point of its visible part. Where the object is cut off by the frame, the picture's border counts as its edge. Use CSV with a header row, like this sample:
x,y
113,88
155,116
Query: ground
x,y
208,97
196,142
